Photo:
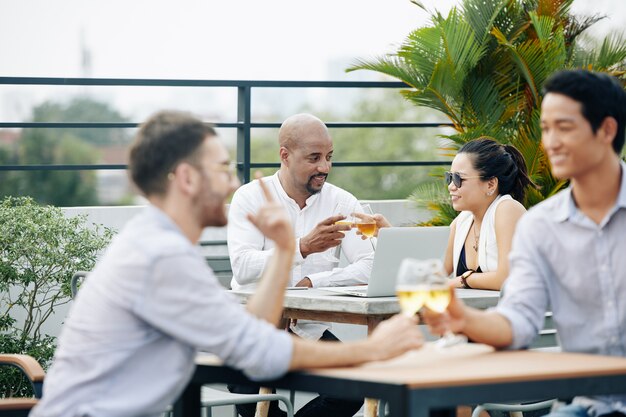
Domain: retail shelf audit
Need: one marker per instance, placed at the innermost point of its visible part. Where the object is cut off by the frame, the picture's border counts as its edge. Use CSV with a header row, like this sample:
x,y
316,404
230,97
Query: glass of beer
x,y
346,210
367,226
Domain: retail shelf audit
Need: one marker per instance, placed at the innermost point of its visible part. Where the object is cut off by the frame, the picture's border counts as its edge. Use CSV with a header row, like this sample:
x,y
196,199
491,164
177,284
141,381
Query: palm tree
x,y
483,66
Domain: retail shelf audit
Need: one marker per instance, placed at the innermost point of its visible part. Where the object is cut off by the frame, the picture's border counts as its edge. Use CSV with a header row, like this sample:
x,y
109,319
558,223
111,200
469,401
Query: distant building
x,y
113,185
9,137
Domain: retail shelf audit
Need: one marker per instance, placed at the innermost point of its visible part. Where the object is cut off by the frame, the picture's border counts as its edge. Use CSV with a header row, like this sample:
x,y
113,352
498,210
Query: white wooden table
x,y
321,305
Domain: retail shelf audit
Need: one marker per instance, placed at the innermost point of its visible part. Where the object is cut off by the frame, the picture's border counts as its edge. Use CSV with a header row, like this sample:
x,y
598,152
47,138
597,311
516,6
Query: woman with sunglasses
x,y
487,183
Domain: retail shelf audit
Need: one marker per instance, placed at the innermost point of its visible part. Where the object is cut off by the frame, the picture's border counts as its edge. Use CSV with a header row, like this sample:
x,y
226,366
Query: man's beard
x,y
310,188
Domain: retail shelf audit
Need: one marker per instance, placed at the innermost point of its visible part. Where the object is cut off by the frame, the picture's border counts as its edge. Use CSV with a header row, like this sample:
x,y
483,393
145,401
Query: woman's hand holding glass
x,y
366,224
368,219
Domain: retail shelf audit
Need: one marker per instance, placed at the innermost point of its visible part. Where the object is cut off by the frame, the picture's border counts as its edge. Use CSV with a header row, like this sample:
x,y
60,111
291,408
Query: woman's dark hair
x,y
504,162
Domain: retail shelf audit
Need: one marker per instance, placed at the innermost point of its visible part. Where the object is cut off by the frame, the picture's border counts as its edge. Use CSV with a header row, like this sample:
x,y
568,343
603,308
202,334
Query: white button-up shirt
x,y
249,250
129,344
563,260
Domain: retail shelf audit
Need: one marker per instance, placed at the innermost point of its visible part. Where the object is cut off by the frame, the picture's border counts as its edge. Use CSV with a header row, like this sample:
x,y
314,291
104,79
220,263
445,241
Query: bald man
x,y
300,185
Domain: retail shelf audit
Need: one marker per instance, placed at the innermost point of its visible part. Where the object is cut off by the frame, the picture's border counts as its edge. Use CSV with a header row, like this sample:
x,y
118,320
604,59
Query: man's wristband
x,y
464,278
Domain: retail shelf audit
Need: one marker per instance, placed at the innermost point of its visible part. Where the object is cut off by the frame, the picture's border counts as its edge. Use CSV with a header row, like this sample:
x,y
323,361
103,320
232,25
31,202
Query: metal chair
x,y
547,340
512,408
20,407
213,397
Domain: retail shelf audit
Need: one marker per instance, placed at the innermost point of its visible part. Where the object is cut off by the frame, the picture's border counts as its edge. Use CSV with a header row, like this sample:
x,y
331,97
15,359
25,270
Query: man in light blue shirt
x,y
151,302
569,252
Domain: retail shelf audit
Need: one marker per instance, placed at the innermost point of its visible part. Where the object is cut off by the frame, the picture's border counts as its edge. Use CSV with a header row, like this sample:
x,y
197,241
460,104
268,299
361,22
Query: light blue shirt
x,y
128,346
561,259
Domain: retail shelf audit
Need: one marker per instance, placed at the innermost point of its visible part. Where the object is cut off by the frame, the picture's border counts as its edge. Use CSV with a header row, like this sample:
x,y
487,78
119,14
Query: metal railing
x,y
244,123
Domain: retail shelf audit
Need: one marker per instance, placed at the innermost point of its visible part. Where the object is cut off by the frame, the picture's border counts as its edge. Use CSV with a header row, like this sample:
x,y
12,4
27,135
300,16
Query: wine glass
x,y
412,286
367,227
343,209
438,299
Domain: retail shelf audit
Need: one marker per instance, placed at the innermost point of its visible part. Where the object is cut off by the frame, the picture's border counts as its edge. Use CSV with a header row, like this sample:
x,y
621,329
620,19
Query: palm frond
x,y
542,59
576,25
612,52
543,26
422,49
528,143
393,67
483,100
520,62
481,15
462,49
419,4
429,98
555,8
435,198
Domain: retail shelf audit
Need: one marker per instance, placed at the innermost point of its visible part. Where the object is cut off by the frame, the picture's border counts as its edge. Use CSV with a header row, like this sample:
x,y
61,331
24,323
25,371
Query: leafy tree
x,y
40,249
60,146
483,66
83,109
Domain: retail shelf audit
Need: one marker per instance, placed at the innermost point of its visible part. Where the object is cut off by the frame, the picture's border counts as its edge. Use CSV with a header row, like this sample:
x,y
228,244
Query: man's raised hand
x,y
272,220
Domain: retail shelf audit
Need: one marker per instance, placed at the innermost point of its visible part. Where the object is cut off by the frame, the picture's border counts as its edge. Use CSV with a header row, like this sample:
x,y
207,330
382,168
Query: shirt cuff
x,y
320,279
522,334
277,361
297,256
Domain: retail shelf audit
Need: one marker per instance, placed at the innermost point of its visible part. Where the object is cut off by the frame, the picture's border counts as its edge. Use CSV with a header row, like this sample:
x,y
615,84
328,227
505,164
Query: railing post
x,y
243,132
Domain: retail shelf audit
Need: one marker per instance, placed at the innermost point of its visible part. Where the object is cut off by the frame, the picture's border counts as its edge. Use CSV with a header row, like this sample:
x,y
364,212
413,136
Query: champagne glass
x,y
367,227
412,286
438,299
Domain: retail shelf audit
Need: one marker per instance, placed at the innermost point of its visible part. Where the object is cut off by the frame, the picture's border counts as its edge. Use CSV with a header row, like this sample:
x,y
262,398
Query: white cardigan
x,y
487,245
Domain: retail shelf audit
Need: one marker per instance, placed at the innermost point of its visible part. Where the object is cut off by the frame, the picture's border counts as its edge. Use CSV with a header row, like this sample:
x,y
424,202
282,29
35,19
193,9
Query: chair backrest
x,y
547,337
35,375
76,279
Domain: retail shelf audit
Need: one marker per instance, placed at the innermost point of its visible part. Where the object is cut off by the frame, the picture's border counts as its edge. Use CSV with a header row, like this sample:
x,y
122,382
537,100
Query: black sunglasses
x,y
456,178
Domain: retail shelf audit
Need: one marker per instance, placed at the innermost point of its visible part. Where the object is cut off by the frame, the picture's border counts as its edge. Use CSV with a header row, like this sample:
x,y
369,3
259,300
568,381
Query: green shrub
x,y
40,249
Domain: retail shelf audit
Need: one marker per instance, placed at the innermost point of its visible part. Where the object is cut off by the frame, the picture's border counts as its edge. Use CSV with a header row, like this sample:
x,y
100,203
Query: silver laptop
x,y
395,244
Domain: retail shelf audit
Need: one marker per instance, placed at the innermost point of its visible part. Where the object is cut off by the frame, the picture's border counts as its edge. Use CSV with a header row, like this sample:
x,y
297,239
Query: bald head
x,y
298,128
306,151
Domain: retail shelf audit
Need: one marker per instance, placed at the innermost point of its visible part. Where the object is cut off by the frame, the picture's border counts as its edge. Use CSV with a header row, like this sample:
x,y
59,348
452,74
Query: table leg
x,y
188,404
263,407
371,404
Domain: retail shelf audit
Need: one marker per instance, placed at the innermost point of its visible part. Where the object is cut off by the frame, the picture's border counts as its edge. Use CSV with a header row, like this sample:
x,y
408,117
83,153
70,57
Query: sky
x,y
232,39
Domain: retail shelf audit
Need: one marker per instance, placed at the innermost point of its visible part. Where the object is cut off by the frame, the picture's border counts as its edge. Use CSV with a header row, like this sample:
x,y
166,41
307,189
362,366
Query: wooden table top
x,y
476,364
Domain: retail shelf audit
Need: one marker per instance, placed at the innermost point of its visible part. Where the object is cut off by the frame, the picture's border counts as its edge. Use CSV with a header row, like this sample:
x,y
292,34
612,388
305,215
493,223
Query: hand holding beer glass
x,y
423,283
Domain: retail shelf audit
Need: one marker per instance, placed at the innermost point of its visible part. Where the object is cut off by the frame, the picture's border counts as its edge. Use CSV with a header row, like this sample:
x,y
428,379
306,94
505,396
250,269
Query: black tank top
x,y
461,268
